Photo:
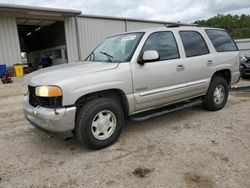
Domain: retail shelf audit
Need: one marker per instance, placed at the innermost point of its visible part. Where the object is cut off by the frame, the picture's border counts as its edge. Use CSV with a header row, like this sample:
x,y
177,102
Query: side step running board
x,y
240,89
162,111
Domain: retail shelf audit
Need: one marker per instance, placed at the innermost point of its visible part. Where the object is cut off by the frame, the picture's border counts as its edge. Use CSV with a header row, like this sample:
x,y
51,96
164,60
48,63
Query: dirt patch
x,y
110,182
214,143
191,125
225,159
220,156
212,147
68,183
229,127
151,147
142,172
242,94
194,180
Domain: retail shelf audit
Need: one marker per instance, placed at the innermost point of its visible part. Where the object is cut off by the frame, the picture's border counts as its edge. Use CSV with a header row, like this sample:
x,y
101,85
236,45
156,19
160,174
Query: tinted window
x,y
164,43
221,40
193,43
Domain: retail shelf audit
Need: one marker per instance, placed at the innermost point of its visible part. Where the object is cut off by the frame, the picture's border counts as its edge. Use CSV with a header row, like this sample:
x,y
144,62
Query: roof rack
x,y
172,25
180,25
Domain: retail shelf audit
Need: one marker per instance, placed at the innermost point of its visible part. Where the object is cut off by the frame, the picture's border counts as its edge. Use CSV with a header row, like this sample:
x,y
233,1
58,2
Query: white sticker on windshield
x,y
130,37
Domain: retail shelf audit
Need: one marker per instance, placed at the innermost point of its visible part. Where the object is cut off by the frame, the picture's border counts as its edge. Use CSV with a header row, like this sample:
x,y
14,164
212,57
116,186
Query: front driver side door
x,y
160,82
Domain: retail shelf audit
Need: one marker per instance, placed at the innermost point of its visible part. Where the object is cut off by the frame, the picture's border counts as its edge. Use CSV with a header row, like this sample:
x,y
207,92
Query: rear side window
x,y
164,43
221,40
193,43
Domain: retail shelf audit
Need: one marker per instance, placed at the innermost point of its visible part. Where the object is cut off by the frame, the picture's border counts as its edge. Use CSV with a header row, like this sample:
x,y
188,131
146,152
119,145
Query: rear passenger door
x,y
198,62
226,54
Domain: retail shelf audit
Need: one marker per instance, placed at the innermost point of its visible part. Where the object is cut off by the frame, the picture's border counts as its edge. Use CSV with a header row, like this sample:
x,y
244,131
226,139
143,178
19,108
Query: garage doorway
x,y
42,43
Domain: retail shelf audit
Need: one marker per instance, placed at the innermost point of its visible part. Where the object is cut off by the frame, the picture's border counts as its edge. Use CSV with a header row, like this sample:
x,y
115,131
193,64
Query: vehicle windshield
x,y
119,48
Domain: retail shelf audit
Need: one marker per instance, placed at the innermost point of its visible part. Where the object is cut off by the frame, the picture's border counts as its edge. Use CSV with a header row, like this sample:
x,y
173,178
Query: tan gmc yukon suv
x,y
131,73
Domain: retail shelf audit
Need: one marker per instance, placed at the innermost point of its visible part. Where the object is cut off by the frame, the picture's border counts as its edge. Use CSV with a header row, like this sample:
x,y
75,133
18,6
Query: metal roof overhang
x,y
24,11
136,20
33,11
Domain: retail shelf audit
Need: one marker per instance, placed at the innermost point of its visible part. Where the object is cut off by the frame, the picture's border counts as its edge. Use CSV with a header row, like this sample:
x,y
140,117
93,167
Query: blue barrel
x,y
2,70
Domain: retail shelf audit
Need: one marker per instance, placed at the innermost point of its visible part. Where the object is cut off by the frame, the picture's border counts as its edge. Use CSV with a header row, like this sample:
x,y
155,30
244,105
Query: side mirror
x,y
149,56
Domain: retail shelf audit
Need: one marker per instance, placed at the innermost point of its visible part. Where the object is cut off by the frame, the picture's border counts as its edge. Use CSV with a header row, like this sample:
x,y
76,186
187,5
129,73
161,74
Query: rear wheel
x,y
99,123
217,94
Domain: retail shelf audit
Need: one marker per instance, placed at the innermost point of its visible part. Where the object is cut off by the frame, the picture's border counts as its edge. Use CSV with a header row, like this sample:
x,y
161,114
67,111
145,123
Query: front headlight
x,y
48,91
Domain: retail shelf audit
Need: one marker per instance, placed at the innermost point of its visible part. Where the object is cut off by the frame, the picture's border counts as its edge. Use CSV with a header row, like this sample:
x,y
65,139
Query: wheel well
x,y
224,74
115,94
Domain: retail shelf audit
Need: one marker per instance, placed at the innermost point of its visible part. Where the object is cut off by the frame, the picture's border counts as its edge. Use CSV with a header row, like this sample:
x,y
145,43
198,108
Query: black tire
x,y
209,101
85,117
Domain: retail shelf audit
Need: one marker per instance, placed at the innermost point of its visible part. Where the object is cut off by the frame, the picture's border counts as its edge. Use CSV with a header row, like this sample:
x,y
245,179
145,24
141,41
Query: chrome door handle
x,y
180,68
210,62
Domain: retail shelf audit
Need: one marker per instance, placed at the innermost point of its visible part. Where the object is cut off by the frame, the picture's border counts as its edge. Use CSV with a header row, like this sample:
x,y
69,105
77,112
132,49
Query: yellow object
x,y
18,70
48,91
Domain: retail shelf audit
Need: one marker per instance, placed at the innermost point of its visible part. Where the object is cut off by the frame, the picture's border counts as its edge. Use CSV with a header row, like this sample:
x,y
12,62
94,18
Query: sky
x,y
176,10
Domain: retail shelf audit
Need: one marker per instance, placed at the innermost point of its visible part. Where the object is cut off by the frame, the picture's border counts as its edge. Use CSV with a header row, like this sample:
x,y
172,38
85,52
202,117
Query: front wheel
x,y
99,123
217,94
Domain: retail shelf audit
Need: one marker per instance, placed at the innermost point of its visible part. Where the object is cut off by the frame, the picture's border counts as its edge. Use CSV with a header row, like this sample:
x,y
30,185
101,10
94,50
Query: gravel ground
x,y
188,148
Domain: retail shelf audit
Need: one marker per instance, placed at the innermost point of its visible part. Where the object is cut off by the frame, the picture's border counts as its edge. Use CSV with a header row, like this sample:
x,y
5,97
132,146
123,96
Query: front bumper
x,y
48,119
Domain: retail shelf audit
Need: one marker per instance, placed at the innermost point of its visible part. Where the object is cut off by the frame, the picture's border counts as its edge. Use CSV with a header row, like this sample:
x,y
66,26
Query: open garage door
x,y
42,42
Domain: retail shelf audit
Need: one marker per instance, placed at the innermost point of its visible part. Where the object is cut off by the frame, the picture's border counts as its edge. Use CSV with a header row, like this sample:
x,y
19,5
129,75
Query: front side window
x,y
119,48
164,43
193,43
221,40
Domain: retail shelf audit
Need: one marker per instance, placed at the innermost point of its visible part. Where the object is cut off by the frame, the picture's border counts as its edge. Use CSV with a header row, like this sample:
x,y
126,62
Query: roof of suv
x,y
171,28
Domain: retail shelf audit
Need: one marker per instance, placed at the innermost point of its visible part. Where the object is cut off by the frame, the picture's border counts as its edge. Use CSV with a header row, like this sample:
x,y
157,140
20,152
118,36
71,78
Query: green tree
x,y
237,26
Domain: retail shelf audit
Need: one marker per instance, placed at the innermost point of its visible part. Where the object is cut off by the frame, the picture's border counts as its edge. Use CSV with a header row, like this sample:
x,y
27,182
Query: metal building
x,y
244,46
28,33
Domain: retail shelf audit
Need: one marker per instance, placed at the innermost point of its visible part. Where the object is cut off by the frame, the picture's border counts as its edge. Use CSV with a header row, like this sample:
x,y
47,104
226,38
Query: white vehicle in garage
x,y
131,73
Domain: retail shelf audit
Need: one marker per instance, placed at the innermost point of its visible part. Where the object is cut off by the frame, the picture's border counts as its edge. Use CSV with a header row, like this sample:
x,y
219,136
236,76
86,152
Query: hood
x,y
60,73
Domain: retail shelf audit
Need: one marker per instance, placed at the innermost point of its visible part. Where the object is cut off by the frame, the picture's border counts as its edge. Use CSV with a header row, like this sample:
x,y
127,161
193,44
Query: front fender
x,y
119,78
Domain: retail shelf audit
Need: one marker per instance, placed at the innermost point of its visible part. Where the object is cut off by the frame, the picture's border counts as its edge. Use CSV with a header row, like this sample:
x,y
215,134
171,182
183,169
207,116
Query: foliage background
x,y
237,26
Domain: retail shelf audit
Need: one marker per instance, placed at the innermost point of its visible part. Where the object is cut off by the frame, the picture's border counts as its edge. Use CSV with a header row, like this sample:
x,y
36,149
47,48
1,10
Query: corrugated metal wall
x,y
83,34
9,43
136,25
71,39
93,30
244,46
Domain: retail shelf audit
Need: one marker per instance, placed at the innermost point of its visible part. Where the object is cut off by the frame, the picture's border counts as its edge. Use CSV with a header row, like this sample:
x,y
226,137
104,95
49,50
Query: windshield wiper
x,y
93,55
108,55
